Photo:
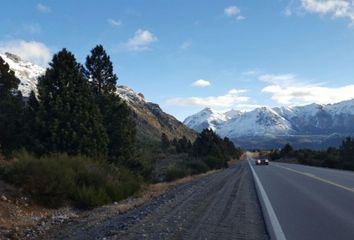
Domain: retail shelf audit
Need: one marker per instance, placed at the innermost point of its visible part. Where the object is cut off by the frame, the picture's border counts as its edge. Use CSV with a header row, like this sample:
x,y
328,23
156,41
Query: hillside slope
x,y
150,119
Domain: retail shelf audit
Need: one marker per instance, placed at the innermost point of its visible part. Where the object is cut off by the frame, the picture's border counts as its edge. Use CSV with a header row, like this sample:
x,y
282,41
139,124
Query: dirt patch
x,y
21,218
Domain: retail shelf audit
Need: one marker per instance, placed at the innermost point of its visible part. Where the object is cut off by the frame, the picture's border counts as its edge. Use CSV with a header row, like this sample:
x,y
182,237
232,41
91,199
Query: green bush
x,y
90,197
58,178
214,162
176,171
197,166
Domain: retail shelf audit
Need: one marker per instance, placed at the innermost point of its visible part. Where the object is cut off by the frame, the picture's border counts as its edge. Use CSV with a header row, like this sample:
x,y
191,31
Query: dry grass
x,y
148,193
152,191
24,215
236,161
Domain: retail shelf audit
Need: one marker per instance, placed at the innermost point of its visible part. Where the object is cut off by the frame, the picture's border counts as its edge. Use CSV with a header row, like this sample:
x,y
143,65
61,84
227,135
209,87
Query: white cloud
x,y
252,72
32,28
141,40
278,79
234,12
33,51
335,8
115,23
288,12
185,45
306,94
231,11
43,8
201,83
230,100
288,89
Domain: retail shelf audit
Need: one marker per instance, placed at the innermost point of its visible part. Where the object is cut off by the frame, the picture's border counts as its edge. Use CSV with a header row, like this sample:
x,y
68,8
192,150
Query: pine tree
x,y
11,111
116,114
183,145
287,150
165,142
32,127
100,72
210,148
68,115
347,153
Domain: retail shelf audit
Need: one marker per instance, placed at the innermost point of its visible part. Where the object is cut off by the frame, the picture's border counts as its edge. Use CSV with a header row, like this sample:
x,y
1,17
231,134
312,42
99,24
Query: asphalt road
x,y
310,202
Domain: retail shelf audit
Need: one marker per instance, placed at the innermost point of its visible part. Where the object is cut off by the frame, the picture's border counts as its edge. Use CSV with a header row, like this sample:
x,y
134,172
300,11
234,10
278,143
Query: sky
x,y
187,55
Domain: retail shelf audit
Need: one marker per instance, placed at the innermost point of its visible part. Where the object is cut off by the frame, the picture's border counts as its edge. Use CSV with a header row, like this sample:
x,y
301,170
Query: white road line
x,y
274,229
317,178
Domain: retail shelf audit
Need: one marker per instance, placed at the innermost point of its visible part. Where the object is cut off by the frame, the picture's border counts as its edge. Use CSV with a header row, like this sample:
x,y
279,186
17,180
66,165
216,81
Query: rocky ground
x,y
21,218
221,205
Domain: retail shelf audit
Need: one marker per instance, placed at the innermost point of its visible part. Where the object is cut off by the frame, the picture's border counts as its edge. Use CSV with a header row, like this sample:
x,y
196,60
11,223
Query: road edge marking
x,y
317,178
274,229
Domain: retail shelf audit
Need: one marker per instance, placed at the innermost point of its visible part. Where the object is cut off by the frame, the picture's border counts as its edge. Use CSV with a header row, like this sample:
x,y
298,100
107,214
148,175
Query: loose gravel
x,y
222,205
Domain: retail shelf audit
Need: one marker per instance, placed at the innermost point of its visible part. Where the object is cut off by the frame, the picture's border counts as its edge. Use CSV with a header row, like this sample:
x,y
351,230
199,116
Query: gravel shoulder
x,y
221,205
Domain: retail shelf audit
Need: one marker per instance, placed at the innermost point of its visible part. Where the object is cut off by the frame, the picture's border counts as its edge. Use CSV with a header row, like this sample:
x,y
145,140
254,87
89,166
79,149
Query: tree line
x,y
76,111
339,158
75,119
207,152
75,138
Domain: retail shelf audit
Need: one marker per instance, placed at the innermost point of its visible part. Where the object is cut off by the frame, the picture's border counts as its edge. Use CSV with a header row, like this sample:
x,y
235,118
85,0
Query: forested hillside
x,y
81,140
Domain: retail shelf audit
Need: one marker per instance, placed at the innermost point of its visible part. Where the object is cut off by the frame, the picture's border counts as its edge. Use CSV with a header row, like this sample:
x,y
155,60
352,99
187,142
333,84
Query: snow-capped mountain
x,y
151,120
264,126
233,113
207,118
26,71
260,122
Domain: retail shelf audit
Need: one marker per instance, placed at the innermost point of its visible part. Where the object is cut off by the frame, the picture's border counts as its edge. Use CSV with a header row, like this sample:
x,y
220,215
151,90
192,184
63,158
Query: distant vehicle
x,y
262,161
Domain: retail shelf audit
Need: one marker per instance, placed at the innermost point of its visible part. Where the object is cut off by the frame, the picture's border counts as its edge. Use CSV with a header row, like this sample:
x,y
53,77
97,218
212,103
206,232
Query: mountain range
x,y
151,120
310,126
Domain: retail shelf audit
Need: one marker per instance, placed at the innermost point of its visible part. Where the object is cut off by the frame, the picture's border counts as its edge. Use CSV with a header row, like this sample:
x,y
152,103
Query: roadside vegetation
x,y
208,152
339,158
74,141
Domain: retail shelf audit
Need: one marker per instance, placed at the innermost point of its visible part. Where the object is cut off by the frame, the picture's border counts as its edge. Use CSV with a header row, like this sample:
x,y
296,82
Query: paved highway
x,y
310,202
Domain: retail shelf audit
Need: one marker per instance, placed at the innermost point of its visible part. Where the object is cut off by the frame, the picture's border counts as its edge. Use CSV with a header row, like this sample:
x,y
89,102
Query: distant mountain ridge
x,y
313,126
150,119
26,71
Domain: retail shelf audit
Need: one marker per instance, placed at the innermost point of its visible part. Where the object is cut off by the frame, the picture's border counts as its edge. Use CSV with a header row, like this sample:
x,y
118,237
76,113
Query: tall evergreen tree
x,y
100,72
32,128
165,142
287,150
69,117
8,81
210,148
347,153
11,110
116,114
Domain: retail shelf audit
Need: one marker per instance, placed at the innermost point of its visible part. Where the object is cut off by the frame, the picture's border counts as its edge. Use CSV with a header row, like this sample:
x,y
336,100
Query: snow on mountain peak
x,y
346,107
129,94
206,118
26,71
233,113
279,121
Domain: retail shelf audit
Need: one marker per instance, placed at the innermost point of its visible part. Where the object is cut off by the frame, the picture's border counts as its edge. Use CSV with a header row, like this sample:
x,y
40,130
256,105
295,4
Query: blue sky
x,y
187,55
